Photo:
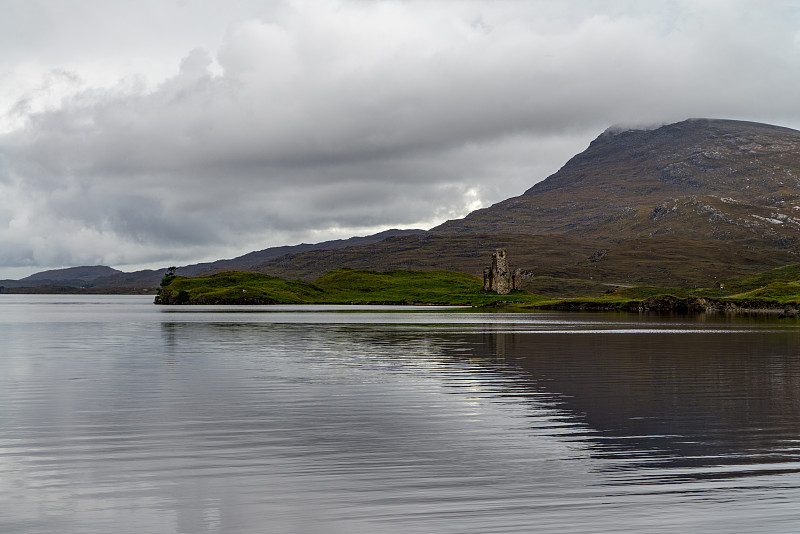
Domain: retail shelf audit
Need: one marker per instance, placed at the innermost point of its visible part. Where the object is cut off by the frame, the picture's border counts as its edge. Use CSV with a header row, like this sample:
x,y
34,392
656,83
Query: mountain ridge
x,y
103,277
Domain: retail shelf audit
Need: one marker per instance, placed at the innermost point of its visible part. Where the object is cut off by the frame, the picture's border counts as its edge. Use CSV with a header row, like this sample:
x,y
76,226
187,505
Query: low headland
x,y
776,291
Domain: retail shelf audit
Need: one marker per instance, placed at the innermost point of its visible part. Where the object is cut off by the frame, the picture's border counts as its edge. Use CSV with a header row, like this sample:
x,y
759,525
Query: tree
x,y
169,276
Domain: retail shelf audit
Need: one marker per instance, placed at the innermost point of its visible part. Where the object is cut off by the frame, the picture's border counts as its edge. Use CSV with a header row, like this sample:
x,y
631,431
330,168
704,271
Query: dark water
x,y
117,416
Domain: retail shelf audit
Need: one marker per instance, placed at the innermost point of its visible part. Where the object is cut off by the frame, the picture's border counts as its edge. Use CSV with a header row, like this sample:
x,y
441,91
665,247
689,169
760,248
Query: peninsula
x,y
776,291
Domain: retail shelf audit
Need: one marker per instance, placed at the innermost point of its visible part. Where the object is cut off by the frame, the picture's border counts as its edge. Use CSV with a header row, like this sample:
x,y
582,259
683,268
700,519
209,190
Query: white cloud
x,y
230,126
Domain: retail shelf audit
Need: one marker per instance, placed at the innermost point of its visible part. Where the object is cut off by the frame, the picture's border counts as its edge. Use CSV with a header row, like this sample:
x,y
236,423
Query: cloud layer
x,y
235,126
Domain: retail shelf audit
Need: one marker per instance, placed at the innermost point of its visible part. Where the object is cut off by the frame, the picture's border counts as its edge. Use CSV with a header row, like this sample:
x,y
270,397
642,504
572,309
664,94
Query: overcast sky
x,y
166,132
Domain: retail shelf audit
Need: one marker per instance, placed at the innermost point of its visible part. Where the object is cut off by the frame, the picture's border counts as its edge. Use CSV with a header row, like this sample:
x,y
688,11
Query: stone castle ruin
x,y
498,277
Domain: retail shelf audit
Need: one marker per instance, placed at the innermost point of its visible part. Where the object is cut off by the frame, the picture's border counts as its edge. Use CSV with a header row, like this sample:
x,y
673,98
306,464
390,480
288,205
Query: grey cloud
x,y
312,120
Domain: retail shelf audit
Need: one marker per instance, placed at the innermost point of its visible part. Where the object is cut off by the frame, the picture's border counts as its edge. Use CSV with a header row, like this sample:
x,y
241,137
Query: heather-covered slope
x,y
659,260
249,260
716,180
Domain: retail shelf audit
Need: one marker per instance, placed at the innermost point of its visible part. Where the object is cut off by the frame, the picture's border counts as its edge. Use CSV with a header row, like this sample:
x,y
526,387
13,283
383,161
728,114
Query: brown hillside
x,y
660,260
705,179
465,253
686,203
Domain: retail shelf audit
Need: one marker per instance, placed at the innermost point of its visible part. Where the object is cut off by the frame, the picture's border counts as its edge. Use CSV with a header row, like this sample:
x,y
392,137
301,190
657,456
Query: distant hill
x,y
102,279
76,277
253,259
84,274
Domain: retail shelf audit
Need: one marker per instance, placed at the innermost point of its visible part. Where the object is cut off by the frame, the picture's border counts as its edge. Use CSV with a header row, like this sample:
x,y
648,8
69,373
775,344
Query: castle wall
x,y
498,277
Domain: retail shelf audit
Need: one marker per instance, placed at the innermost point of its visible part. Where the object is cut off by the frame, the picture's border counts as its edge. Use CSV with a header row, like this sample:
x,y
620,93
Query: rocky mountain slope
x,y
705,179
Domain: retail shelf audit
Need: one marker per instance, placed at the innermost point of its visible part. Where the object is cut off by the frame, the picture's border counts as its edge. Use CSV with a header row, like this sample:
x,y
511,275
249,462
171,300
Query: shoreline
x,y
687,305
658,304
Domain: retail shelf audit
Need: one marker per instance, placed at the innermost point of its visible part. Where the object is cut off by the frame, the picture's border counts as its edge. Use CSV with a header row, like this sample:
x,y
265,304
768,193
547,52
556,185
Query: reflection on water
x,y
703,405
118,416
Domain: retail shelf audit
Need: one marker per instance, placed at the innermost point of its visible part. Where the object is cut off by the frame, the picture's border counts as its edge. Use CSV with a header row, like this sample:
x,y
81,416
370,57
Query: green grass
x,y
348,286
240,287
404,287
778,287
780,292
783,279
343,286
643,292
556,287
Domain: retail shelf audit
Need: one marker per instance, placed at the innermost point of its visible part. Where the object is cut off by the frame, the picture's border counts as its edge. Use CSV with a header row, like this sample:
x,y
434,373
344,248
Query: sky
x,y
167,132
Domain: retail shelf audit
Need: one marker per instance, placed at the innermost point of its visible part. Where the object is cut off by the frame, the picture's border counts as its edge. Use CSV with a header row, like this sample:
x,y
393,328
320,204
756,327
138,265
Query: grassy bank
x,y
343,286
776,290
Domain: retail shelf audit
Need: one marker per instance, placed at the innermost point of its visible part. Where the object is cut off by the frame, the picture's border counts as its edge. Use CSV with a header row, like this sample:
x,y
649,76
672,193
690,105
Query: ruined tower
x,y
498,277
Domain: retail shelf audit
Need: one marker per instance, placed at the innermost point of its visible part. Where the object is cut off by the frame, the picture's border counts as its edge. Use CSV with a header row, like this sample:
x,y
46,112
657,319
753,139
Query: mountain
x,y
690,202
704,179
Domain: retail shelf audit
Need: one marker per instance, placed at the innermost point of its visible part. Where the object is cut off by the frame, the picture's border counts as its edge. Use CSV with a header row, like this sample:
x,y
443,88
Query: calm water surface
x,y
120,416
